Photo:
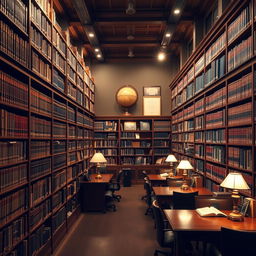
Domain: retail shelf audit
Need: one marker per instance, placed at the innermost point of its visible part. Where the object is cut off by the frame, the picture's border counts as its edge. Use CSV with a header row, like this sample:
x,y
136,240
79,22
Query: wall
x,y
109,77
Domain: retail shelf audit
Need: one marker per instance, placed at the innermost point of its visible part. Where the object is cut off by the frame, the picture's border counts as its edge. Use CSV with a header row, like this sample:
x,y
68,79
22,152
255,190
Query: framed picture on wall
x,y
152,106
152,91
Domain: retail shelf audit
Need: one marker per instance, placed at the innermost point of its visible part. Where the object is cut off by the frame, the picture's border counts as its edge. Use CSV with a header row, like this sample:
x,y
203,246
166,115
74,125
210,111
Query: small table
x,y
164,194
93,193
189,225
158,180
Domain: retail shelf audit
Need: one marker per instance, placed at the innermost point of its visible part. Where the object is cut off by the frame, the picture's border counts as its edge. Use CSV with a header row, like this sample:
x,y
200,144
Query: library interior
x,y
127,127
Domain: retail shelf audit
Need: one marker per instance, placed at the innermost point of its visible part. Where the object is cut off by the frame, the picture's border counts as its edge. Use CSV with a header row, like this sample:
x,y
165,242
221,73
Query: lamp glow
x,y
98,159
176,11
235,181
161,56
91,35
98,55
96,49
185,165
168,34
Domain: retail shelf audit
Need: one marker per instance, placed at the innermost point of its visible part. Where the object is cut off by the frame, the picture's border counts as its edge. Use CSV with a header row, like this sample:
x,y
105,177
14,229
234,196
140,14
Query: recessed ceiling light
x,y
161,56
176,11
168,34
98,55
96,49
91,35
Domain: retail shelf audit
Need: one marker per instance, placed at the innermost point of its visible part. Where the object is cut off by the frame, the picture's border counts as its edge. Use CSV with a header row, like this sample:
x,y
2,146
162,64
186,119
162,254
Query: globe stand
x,y
126,112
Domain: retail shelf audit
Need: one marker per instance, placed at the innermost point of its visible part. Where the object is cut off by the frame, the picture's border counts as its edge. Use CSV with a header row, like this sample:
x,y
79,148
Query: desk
x,y
158,180
164,194
93,193
188,224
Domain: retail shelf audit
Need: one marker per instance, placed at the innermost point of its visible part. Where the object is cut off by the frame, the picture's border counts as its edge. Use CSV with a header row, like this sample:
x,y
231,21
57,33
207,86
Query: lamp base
x,y
98,176
235,216
171,174
184,187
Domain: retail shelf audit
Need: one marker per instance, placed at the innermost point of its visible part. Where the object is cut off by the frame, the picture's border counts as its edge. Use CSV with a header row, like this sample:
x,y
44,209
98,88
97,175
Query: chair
x,y
237,242
219,203
150,197
164,235
184,200
109,204
115,186
145,179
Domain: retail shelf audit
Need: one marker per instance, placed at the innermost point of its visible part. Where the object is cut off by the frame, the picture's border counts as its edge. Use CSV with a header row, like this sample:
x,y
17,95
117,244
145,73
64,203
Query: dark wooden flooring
x,y
126,232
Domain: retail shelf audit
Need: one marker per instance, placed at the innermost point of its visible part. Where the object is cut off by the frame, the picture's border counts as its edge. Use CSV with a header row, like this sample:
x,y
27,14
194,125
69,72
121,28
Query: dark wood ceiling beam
x,y
130,22
130,44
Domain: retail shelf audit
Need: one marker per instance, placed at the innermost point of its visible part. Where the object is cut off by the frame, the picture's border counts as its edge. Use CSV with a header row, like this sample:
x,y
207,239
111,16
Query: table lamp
x,y
235,181
185,166
171,159
98,159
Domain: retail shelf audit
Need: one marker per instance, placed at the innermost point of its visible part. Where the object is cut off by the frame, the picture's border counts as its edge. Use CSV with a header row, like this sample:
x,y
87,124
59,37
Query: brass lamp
x,y
185,166
171,159
98,159
235,181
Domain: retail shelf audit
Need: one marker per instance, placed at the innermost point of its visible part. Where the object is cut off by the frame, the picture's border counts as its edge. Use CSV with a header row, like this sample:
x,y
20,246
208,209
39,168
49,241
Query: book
x,y
209,212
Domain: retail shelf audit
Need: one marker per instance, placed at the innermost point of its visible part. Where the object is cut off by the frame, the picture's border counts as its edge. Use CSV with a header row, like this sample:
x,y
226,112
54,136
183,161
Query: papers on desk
x,y
210,212
164,174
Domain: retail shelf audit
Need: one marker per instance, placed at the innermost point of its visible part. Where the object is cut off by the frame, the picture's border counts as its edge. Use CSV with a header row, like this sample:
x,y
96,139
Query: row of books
x,y
17,12
215,172
13,176
187,125
45,6
132,151
215,153
240,22
240,157
160,143
12,234
59,42
199,166
13,45
58,80
241,114
59,109
40,127
59,146
59,199
74,170
199,106
240,136
58,219
216,99
105,143
39,148
188,136
40,167
59,161
199,122
240,53
40,20
162,125
240,89
215,120
130,143
71,59
13,125
12,90
12,205
188,112
59,61
41,67
12,152
40,102
216,136
59,129
161,151
199,150
136,160
105,125
58,179
40,190
199,136
41,43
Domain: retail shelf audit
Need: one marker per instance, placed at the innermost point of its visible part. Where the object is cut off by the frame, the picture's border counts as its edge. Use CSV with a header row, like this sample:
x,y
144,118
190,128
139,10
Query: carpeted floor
x,y
126,232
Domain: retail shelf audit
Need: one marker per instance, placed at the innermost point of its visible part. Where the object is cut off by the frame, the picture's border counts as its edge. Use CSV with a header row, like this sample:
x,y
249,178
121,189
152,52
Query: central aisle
x,y
126,232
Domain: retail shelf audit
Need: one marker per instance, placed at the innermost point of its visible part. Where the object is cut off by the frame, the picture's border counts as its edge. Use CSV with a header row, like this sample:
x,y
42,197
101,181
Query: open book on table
x,y
210,212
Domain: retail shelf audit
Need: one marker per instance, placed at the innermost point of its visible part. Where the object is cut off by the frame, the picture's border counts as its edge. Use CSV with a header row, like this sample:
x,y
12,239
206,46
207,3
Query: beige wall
x,y
109,77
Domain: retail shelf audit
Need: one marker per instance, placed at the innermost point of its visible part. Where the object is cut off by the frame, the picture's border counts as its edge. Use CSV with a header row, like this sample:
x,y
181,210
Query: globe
x,y
126,96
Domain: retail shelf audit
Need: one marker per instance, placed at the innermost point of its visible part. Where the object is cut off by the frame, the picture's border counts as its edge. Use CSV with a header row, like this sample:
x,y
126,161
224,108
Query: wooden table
x,y
158,180
93,193
189,225
164,194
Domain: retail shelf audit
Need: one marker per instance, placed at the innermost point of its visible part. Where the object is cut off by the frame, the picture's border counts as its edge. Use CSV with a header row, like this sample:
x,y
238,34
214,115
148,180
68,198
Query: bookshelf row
x,y
132,140
46,128
213,101
45,49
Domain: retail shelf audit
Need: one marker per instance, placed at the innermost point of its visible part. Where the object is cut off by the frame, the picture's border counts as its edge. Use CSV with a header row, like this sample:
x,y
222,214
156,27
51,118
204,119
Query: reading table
x,y
158,180
189,225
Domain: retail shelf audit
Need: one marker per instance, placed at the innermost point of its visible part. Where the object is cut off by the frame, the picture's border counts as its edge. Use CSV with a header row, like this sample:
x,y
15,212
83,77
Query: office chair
x,y
150,197
184,200
164,235
109,201
145,179
115,186
237,242
219,203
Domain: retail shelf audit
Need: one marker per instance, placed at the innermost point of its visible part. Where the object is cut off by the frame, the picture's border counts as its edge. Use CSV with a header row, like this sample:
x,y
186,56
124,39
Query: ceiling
x,y
141,34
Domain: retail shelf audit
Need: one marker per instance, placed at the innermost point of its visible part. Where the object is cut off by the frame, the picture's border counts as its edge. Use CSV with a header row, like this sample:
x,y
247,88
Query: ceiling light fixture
x,y
176,11
91,35
168,34
130,9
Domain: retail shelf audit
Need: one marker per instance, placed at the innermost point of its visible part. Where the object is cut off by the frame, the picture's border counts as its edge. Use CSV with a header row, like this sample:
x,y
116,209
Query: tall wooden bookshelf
x,y
134,142
46,129
213,100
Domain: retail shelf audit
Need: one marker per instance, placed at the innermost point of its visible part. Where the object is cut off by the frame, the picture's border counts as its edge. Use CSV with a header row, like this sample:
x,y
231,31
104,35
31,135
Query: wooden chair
x,y
219,203
184,200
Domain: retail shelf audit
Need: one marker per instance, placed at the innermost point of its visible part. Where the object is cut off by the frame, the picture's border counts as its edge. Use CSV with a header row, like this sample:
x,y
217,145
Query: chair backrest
x,y
119,175
148,187
219,203
184,200
237,242
159,221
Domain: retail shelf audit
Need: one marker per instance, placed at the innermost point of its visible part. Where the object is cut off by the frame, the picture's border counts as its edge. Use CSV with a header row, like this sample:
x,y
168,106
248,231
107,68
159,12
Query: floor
x,y
126,232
